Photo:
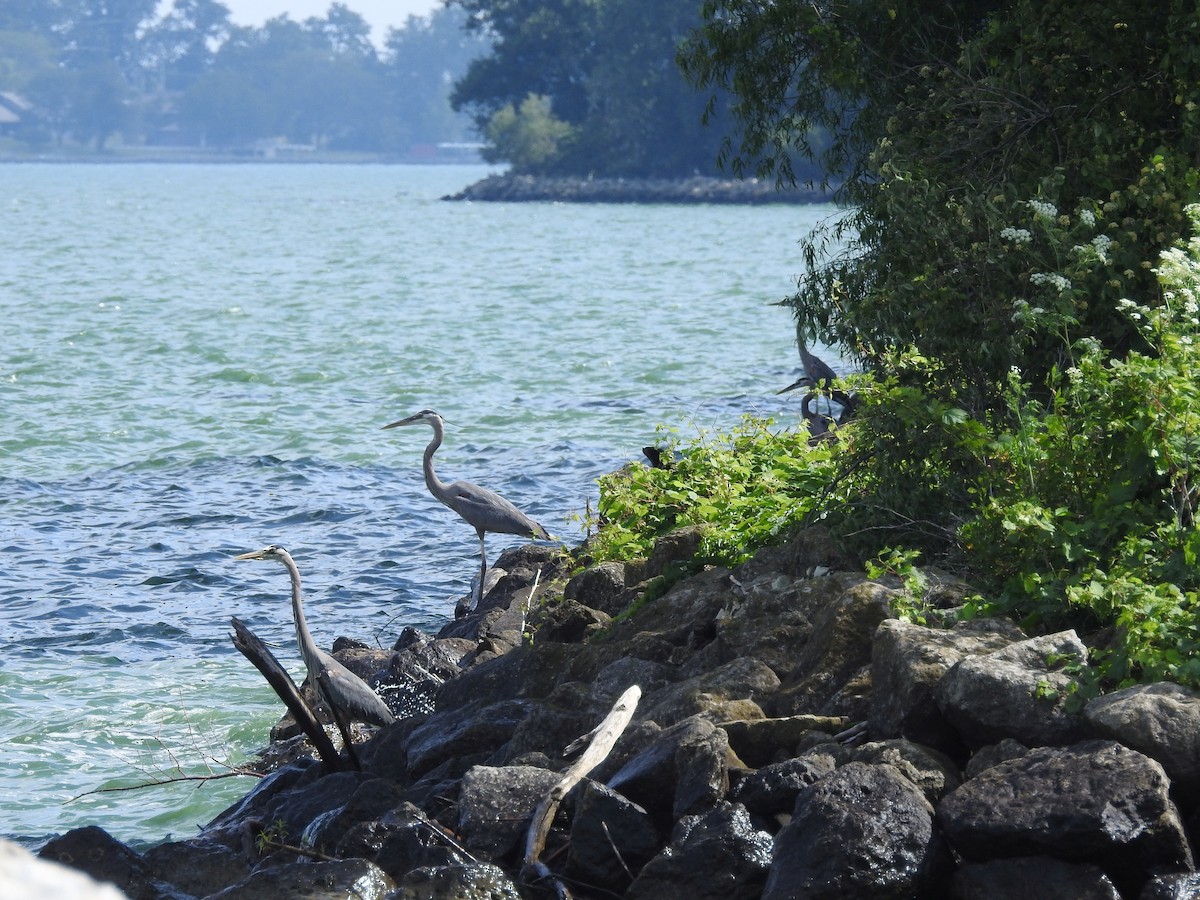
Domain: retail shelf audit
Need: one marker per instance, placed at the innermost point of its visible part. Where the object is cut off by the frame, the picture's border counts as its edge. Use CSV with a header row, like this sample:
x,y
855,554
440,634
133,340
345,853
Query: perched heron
x,y
481,508
348,697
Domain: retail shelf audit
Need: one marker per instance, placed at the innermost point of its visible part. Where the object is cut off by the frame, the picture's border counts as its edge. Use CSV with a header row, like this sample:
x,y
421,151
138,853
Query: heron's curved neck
x,y
436,486
308,647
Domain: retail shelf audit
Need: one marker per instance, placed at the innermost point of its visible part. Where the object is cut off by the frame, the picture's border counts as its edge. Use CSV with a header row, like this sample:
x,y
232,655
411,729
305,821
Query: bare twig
x,y
237,772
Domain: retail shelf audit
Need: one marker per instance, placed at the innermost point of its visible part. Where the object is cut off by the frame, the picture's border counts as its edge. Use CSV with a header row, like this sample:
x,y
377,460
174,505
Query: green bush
x,y
527,137
748,488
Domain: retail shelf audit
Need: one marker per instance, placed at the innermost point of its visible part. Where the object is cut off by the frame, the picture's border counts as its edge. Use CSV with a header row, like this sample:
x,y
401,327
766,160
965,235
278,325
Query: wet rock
x,y
864,831
462,732
318,799
718,855
773,789
229,827
1018,692
1160,720
417,669
601,587
907,661
401,840
1096,802
932,772
1031,878
839,646
97,853
25,877
547,730
495,805
682,770
760,742
611,839
346,879
370,800
472,881
198,868
1179,886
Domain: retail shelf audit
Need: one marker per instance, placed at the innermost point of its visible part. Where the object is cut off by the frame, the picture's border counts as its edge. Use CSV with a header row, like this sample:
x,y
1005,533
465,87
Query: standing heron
x,y
817,373
481,508
348,697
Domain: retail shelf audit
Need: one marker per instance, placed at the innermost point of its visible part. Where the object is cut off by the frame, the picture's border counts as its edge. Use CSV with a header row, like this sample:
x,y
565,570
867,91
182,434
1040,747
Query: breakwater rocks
x,y
793,740
528,188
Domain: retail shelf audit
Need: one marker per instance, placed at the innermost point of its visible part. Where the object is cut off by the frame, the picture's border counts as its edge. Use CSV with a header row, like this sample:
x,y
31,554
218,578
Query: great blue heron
x,y
817,372
481,508
348,697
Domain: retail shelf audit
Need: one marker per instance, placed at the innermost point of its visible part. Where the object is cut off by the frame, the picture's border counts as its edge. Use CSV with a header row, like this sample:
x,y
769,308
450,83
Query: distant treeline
x,y
91,71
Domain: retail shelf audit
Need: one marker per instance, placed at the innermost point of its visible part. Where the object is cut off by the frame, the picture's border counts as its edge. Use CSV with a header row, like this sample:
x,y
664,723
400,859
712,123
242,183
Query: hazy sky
x,y
381,14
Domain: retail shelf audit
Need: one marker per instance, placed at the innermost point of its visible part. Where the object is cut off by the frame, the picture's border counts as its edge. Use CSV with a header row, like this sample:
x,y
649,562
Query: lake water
x,y
196,361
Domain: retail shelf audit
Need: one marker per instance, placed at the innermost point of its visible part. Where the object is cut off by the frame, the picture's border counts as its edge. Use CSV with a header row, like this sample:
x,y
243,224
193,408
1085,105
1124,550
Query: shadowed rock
x,y
715,856
1095,801
866,832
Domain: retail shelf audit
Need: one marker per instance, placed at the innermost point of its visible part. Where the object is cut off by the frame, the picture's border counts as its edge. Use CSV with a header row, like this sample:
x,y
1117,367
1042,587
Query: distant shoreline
x,y
527,188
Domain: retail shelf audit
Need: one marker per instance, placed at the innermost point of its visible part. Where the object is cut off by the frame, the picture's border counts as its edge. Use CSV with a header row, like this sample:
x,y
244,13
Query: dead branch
x,y
602,739
251,647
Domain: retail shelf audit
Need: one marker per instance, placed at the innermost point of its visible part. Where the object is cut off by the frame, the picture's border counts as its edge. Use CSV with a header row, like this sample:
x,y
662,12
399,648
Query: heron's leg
x,y
349,744
477,590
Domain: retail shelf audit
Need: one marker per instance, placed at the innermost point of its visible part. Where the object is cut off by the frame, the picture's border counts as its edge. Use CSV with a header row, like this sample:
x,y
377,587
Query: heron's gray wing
x,y
352,695
486,509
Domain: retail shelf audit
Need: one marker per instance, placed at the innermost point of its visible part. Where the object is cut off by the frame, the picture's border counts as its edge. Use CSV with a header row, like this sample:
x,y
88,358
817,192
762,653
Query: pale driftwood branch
x,y
251,647
602,739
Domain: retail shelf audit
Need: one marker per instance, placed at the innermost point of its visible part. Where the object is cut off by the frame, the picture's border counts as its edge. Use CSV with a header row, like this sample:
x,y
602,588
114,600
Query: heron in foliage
x,y
817,373
818,377
483,509
348,697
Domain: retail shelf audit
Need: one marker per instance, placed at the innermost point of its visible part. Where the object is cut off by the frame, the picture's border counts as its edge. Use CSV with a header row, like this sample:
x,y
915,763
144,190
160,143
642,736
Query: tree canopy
x,y
607,69
187,75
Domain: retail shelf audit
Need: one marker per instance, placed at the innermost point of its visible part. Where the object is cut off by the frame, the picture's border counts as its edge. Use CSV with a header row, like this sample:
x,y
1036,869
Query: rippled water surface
x,y
196,361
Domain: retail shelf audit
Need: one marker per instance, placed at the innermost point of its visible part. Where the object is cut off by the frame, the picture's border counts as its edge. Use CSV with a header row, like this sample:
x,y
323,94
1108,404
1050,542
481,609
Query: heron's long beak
x,y
411,420
253,554
804,381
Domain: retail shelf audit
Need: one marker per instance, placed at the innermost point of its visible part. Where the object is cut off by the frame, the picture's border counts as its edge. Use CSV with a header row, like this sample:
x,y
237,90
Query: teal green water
x,y
197,360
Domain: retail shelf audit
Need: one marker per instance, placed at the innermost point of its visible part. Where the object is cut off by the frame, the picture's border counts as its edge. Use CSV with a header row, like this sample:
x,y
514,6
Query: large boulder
x,y
1161,720
683,770
97,853
864,831
838,648
495,806
1026,877
715,856
1094,802
611,839
1019,692
907,662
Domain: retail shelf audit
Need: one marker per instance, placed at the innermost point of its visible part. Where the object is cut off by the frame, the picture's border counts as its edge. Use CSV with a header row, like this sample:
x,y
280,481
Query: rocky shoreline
x,y
793,740
528,188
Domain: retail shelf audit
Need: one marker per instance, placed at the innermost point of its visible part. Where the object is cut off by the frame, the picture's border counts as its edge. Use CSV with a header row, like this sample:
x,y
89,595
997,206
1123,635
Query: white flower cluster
x,y
1087,217
1101,243
1042,209
1016,235
1059,282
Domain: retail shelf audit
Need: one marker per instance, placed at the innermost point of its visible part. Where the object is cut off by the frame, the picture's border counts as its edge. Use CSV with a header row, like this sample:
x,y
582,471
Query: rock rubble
x,y
794,740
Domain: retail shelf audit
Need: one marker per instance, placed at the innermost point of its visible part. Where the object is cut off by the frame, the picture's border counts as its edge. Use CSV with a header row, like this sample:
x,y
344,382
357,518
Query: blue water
x,y
197,360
